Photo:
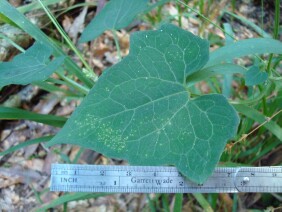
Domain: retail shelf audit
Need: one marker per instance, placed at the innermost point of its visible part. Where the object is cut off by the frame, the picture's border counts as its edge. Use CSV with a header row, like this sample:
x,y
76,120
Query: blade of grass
x,y
266,149
73,84
19,19
25,144
63,156
65,36
35,5
227,80
52,88
266,122
204,18
212,199
235,202
77,156
37,196
245,21
178,203
12,42
203,202
151,203
165,202
69,198
7,113
276,30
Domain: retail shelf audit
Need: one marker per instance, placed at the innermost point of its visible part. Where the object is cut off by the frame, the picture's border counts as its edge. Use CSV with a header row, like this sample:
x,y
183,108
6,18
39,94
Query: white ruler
x,y
162,179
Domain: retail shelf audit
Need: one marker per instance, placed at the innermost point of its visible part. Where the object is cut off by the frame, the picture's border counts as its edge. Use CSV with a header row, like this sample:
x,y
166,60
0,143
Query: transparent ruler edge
x,y
162,179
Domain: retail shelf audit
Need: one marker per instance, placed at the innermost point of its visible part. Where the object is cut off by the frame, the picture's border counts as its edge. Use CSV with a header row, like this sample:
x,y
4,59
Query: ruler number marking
x,y
128,173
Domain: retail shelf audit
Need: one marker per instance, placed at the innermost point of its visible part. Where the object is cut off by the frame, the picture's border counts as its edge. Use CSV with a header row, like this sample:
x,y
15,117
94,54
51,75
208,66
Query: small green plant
x,y
146,109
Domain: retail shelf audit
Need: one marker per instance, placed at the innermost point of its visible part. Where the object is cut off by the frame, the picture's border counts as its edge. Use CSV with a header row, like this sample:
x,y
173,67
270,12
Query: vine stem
x,y
268,119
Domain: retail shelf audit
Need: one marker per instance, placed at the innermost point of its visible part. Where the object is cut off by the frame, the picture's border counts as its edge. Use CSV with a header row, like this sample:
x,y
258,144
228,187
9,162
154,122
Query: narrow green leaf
x,y
222,69
35,5
244,48
114,16
249,23
227,78
178,203
254,76
4,19
25,144
69,198
31,66
7,113
203,202
140,110
255,115
51,88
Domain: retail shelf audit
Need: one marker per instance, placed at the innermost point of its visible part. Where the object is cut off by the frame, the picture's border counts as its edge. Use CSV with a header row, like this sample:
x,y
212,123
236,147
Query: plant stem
x,y
179,16
67,39
235,202
205,18
276,30
73,84
117,44
263,100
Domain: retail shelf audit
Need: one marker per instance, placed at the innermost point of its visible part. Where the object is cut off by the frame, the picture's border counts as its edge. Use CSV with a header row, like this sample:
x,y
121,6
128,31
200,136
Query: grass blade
x,y
69,198
227,79
203,202
25,144
178,203
36,5
7,113
245,21
255,115
65,36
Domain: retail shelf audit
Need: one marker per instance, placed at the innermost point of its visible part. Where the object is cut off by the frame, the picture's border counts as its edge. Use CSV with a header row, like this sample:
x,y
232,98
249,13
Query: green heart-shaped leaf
x,y
141,111
115,15
31,66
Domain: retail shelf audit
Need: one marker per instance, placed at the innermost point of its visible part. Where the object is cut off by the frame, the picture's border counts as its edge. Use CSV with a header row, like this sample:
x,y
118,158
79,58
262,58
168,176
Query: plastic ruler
x,y
162,179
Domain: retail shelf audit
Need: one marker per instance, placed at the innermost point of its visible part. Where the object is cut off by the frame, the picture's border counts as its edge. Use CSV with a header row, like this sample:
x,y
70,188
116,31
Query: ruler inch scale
x,y
162,179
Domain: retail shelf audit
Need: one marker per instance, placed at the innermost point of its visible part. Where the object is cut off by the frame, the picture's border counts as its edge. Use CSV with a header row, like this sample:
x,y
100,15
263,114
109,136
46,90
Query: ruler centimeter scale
x,y
162,179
